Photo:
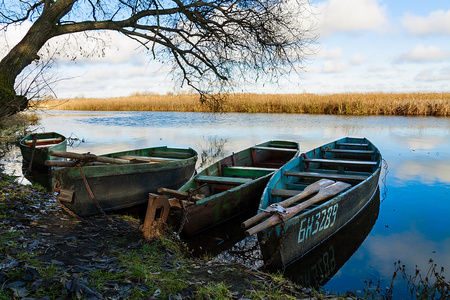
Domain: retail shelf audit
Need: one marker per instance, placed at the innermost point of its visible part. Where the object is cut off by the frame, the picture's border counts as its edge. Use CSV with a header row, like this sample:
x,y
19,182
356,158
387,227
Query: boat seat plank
x,y
326,175
352,144
275,149
350,151
251,168
41,141
341,161
243,171
222,180
284,193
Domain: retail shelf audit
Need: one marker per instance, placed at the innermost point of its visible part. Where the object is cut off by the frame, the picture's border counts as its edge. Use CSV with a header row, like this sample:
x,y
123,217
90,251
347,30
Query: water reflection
x,y
227,243
43,177
318,266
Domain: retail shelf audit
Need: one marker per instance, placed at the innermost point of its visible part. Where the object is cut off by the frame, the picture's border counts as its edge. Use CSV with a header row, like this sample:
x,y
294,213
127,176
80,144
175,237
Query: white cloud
x,y
423,54
437,22
333,53
430,75
358,59
11,35
334,66
350,16
94,46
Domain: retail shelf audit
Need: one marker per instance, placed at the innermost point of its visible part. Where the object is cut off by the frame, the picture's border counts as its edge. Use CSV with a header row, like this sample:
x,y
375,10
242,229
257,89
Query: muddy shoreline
x,y
48,254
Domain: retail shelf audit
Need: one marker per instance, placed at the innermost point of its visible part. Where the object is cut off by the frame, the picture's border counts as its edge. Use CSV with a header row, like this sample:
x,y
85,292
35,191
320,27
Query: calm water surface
x,y
408,222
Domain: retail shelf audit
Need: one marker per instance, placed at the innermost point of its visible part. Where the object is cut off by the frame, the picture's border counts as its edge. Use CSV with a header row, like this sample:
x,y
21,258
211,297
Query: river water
x,y
408,222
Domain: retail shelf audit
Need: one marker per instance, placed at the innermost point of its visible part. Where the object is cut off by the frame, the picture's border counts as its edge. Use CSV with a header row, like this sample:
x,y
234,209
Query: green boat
x,y
117,186
232,185
35,148
310,198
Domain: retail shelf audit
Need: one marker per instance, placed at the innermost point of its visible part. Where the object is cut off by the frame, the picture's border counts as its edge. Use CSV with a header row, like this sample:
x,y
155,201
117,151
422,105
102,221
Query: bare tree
x,y
215,40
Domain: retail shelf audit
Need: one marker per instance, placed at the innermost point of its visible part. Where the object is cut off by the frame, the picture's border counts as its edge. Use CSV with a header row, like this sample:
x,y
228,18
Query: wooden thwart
x,y
352,144
308,191
333,176
222,180
275,149
51,141
285,193
350,151
325,193
341,161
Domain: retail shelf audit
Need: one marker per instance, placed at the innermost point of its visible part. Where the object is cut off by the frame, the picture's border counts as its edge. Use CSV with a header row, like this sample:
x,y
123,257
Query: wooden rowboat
x,y
318,266
232,185
337,180
35,147
125,182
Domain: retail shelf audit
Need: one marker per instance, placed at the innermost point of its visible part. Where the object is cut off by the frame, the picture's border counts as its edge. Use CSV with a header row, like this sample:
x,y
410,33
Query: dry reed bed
x,y
406,104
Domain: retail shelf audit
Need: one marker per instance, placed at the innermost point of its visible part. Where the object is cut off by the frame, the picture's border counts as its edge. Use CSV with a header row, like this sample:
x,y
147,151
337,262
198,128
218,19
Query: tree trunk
x,y
24,53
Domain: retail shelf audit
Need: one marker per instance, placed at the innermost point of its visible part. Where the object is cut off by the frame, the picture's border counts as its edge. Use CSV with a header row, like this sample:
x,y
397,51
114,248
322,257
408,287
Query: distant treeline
x,y
401,104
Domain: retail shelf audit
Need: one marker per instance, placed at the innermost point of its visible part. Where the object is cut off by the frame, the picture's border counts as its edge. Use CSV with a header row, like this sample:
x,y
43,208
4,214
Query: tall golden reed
x,y
404,104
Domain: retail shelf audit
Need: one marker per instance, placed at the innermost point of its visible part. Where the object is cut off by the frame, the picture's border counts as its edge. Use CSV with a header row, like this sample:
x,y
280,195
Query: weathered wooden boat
x,y
341,177
116,186
36,147
319,265
232,185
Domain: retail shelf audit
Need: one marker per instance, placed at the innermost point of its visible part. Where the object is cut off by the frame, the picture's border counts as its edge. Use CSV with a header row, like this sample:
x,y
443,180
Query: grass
x,y
403,104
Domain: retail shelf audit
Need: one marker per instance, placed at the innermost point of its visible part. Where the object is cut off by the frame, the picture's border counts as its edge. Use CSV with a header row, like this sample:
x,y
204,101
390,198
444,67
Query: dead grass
x,y
404,104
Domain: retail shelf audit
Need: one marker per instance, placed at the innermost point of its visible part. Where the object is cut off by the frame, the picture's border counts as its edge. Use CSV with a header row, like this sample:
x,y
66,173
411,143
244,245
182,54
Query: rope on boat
x,y
56,188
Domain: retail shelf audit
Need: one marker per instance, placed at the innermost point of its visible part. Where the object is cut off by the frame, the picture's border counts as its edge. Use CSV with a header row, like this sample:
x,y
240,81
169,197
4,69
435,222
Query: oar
x,y
89,157
178,194
325,193
308,191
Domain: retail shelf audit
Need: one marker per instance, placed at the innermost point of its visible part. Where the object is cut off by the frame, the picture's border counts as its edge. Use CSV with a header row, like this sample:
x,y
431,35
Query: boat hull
x,y
121,186
37,156
224,206
309,228
318,266
225,200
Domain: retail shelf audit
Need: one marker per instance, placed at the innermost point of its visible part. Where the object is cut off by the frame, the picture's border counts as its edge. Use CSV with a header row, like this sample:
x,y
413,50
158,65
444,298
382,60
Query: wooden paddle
x,y
325,193
308,191
89,157
178,194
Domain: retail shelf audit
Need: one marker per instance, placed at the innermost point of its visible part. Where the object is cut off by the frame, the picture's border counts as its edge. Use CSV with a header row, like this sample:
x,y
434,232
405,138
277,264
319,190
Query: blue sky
x,y
364,46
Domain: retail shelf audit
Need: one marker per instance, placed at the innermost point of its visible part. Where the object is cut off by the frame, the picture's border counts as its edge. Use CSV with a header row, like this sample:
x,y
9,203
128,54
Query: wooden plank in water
x,y
325,175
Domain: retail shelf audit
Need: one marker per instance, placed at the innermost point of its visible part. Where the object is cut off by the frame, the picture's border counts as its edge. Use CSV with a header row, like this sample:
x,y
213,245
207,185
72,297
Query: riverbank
x,y
45,253
401,104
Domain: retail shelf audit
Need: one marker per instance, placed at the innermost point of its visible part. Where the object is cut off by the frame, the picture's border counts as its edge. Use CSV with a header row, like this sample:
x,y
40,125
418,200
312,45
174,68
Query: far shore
x,y
393,104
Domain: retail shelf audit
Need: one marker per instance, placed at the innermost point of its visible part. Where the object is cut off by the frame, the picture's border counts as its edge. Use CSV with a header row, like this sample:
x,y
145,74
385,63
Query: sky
x,y
389,46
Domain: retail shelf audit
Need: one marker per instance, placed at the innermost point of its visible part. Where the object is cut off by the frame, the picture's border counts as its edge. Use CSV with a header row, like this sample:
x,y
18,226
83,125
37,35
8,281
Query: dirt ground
x,y
38,235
